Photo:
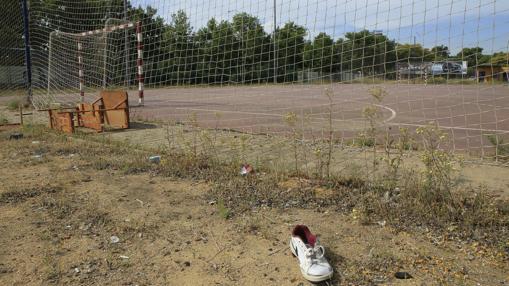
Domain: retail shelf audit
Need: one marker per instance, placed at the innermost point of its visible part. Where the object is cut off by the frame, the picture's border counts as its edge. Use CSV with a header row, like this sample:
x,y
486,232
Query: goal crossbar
x,y
107,29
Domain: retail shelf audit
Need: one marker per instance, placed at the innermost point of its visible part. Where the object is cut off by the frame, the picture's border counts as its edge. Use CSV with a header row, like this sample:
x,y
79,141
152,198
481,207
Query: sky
x,y
454,23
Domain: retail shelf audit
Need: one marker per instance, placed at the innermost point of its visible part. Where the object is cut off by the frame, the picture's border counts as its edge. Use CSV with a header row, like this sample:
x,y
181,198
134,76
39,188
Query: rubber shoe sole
x,y
310,278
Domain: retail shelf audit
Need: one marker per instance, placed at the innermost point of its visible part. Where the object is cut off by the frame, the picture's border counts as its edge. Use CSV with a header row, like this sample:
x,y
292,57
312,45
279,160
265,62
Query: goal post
x,y
139,63
80,64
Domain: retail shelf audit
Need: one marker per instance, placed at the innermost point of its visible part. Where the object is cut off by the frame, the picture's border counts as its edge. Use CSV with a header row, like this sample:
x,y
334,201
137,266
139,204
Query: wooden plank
x,y
90,117
62,121
117,108
111,107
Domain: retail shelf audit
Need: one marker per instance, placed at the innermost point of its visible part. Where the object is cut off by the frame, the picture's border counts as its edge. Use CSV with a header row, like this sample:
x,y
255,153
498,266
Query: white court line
x,y
230,111
393,112
352,120
452,127
254,113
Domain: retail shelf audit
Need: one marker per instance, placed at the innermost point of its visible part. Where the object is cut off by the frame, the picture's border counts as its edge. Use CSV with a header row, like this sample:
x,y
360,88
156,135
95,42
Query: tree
x,y
179,47
290,44
206,64
500,59
471,55
238,51
411,52
54,15
252,43
153,28
367,52
318,55
440,52
224,51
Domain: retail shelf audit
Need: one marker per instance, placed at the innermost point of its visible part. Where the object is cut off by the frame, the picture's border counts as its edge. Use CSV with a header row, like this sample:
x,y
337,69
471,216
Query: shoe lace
x,y
315,253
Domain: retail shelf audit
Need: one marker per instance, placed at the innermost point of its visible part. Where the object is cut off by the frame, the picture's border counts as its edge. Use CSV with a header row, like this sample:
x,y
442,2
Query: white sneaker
x,y
306,247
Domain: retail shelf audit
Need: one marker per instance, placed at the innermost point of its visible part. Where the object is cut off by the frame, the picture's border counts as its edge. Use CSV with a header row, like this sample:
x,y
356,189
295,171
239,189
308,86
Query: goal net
x,y
81,64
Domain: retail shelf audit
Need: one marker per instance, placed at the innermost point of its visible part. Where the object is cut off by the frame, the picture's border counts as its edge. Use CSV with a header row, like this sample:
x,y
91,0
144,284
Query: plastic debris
x,y
35,142
37,157
156,159
246,169
85,226
387,197
114,239
124,257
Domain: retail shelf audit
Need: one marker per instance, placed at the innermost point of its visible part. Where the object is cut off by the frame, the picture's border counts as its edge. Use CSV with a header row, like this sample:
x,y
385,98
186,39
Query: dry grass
x,y
413,200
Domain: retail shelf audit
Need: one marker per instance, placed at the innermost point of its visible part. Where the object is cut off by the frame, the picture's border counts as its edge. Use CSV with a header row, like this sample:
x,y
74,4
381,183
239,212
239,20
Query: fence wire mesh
x,y
274,66
12,61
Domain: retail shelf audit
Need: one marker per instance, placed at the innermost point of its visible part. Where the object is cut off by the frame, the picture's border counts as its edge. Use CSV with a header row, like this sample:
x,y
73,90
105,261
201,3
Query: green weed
x,y
222,210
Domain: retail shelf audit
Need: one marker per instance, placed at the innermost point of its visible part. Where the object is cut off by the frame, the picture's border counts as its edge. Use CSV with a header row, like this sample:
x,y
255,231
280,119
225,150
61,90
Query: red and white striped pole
x,y
141,78
80,72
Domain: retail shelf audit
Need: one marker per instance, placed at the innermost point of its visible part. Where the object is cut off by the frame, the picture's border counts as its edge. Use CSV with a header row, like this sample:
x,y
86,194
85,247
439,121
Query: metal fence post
x,y
127,80
28,57
275,43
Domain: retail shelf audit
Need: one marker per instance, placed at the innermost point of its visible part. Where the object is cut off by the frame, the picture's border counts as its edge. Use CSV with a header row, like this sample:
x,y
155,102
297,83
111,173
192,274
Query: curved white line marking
x,y
393,112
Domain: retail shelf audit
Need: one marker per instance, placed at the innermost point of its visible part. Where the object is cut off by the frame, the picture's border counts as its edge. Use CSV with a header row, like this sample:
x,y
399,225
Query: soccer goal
x,y
82,64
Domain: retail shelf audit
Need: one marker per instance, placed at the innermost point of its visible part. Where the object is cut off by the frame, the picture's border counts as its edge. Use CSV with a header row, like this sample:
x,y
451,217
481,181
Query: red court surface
x,y
468,112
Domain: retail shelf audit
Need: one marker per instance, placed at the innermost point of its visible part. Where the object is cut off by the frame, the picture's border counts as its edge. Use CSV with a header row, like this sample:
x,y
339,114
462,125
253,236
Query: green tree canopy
x,y
179,46
227,51
251,40
440,52
290,44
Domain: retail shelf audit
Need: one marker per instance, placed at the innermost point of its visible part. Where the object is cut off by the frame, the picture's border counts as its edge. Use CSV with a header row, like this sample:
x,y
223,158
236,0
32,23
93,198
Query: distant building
x,y
490,73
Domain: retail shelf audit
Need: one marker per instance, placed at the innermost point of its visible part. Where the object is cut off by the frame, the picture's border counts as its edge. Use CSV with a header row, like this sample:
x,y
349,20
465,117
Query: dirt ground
x,y
62,207
277,152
